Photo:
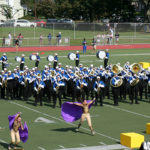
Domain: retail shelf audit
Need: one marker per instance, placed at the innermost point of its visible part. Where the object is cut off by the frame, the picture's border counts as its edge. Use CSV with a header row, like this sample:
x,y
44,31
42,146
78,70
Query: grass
x,y
107,120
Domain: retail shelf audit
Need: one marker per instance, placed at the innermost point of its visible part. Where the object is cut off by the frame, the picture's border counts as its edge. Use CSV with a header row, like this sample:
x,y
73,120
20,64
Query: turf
x,y
108,121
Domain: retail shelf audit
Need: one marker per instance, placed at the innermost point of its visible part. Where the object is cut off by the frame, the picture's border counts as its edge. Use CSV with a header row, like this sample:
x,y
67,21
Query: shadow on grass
x,y
5,145
69,129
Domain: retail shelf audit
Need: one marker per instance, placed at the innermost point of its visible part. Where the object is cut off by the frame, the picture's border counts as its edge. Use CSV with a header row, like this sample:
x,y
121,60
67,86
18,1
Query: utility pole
x,y
35,14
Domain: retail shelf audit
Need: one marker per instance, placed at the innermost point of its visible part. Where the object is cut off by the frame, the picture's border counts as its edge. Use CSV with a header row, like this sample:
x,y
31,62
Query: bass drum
x,y
18,59
101,54
71,56
50,58
32,57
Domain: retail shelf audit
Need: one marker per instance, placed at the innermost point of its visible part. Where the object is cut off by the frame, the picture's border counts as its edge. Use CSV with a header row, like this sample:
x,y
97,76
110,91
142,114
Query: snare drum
x,y
18,59
101,54
32,57
71,56
50,58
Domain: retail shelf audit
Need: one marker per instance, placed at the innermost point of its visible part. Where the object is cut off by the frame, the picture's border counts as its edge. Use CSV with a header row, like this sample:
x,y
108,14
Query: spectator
x,y
49,38
3,41
9,39
20,38
94,45
14,40
117,38
41,39
58,38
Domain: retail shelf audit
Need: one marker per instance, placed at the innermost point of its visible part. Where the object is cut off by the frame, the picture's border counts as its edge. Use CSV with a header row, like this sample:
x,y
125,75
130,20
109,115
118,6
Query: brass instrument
x,y
5,83
98,89
57,89
52,73
38,90
116,69
135,68
135,82
119,83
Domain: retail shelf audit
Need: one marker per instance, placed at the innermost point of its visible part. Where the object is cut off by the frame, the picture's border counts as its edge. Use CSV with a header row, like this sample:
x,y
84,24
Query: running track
x,y
71,48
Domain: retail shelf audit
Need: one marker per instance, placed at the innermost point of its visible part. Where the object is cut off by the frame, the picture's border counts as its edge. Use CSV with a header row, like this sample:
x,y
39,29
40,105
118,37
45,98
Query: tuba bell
x,y
116,69
135,68
119,83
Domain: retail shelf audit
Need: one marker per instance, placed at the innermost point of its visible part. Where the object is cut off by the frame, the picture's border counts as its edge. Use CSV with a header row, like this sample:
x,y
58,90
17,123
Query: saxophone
x,y
25,82
57,89
98,89
5,83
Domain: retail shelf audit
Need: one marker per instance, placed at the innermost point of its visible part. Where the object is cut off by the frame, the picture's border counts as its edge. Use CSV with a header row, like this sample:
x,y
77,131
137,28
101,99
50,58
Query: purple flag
x,y
71,112
23,133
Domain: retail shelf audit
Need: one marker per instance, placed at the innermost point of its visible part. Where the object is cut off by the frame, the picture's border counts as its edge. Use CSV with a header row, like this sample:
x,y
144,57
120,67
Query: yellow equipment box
x,y
148,128
132,139
145,65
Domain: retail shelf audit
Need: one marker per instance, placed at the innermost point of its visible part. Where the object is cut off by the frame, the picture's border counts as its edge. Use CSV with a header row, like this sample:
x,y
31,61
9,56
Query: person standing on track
x,y
84,45
85,114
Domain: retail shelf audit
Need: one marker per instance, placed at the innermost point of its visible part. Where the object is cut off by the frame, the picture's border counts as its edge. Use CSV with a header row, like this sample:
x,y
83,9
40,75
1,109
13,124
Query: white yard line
x,y
2,141
137,54
41,148
101,143
128,111
105,147
56,118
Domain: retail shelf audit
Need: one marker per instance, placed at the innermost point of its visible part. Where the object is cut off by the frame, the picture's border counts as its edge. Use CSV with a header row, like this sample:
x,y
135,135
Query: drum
x,y
101,54
50,58
71,56
18,59
32,57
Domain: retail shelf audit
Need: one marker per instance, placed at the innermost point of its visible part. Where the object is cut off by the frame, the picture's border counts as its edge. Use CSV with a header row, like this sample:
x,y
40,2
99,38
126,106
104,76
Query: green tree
x,y
6,11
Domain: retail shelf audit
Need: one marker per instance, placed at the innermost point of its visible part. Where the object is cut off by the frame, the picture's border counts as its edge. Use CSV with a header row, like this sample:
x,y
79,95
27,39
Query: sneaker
x,y
93,133
77,130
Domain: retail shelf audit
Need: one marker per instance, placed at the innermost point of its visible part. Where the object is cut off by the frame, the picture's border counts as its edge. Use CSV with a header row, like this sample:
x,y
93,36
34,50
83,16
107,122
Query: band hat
x,y
46,66
21,72
23,55
67,66
98,77
4,54
9,71
15,69
59,64
91,65
56,54
2,71
17,66
39,76
77,51
37,53
49,64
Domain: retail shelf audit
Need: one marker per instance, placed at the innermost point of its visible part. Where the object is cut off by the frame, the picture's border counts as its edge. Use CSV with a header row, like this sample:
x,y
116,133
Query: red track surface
x,y
71,48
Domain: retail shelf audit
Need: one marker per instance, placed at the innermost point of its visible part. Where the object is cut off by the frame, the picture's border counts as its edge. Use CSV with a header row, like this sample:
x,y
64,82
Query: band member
x,y
3,84
106,58
85,114
22,62
116,83
58,39
77,58
4,61
84,43
37,60
10,84
55,60
38,88
99,90
133,81
17,131
58,88
117,38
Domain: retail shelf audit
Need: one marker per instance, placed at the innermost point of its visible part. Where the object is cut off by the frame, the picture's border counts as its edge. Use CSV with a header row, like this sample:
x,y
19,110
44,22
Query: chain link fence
x,y
73,33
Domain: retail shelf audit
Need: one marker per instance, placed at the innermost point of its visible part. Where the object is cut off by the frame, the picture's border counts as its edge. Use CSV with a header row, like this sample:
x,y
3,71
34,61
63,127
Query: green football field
x,y
48,131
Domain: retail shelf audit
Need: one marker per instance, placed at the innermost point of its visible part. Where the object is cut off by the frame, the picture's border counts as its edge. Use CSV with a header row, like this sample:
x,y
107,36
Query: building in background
x,y
17,9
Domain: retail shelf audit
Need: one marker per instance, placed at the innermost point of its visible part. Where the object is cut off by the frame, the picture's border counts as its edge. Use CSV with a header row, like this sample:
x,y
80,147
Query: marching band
x,y
113,82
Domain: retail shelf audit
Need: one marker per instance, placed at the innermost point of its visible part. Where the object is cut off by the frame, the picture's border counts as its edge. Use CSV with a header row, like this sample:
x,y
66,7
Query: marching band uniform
x,y
58,88
99,90
38,90
4,61
55,61
106,58
37,60
77,59
22,62
115,88
133,89
10,78
3,85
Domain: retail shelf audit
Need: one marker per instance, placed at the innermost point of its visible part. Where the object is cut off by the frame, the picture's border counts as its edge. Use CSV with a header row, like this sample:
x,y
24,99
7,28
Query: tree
x,y
6,11
146,10
46,8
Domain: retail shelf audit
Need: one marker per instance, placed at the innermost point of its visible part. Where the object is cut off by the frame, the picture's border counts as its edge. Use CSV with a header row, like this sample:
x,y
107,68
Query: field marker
x,y
41,119
61,146
125,110
102,143
2,141
41,148
106,136
83,145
